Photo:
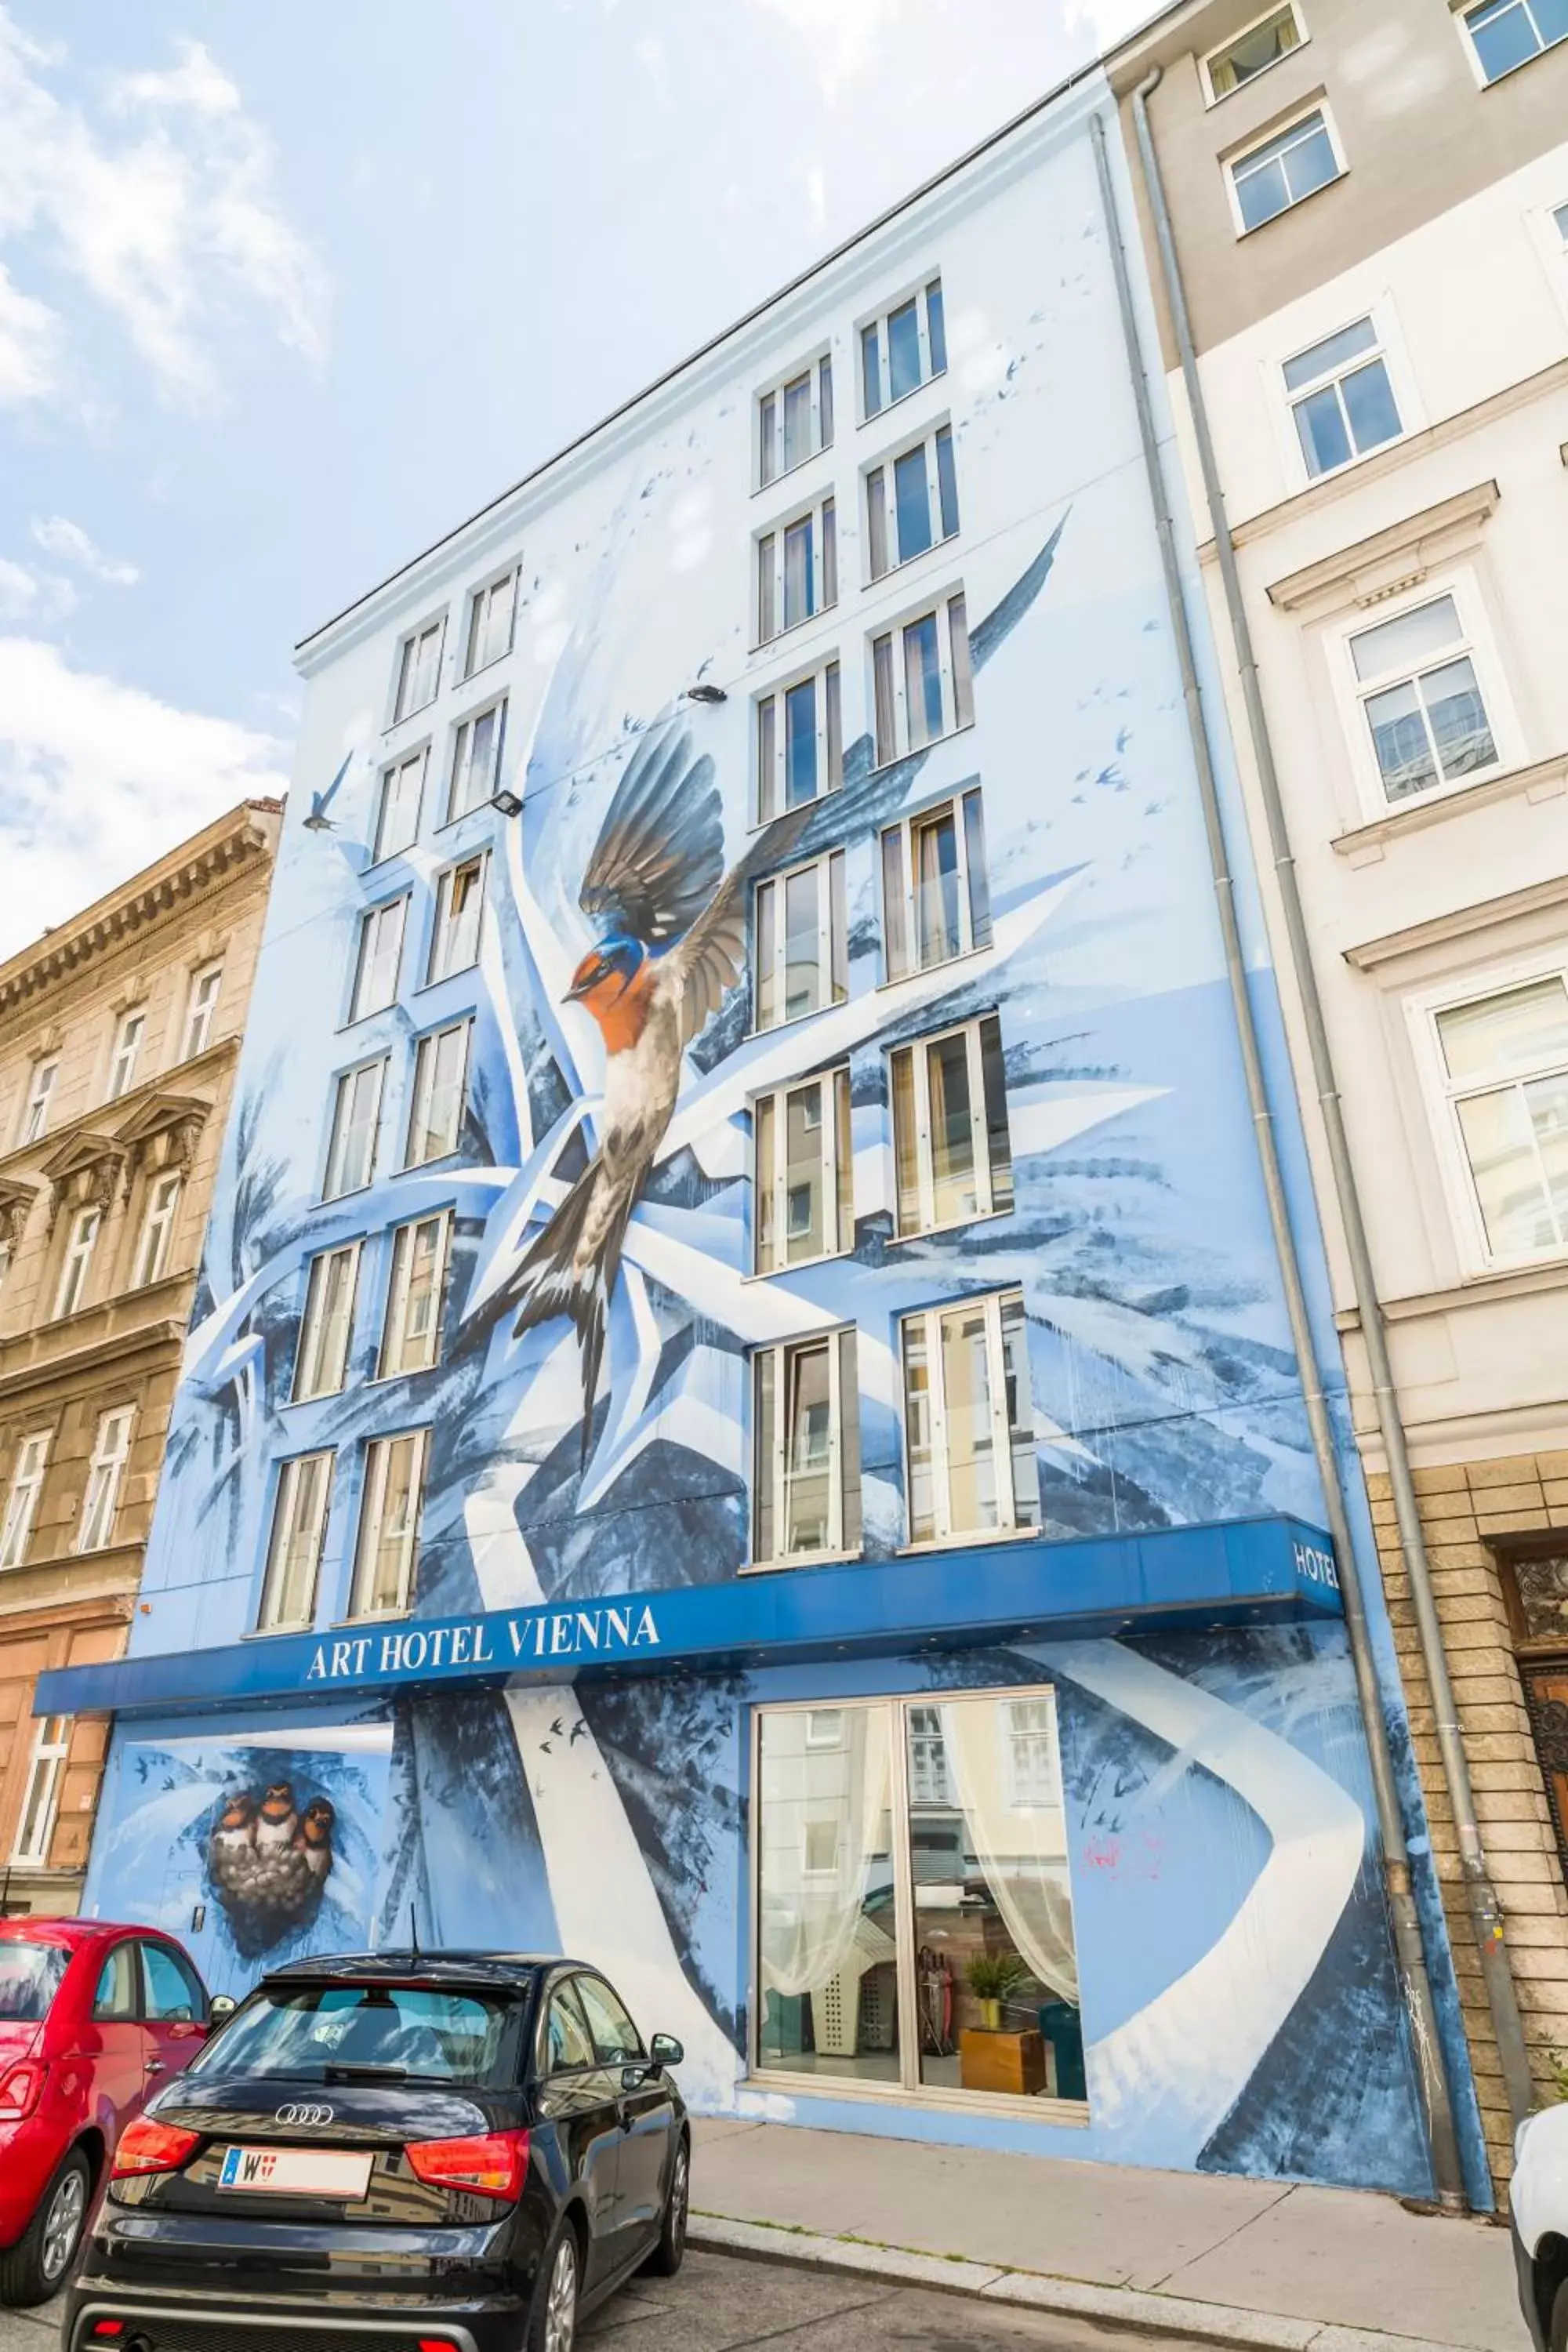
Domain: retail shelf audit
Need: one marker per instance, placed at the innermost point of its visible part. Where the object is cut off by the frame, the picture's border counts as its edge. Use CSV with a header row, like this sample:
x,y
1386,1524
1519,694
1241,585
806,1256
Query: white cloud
x,y
844,35
68,539
165,210
99,779
18,591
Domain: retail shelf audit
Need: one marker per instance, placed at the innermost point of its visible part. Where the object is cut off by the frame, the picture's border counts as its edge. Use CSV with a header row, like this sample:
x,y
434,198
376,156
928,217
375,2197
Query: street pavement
x,y
719,2304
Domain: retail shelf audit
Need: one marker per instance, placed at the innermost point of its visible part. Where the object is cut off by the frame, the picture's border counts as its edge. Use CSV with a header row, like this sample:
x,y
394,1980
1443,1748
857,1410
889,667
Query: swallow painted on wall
x,y
268,1862
672,933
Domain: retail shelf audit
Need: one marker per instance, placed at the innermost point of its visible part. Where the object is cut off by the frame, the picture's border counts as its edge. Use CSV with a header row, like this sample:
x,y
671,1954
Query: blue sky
x,y
286,290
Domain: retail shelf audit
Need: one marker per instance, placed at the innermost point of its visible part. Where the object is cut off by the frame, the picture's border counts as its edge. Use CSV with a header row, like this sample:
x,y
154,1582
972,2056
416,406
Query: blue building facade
x,y
740,1419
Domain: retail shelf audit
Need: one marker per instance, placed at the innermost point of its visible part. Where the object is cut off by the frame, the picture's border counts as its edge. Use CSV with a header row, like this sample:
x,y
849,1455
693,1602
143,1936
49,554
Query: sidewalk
x,y
1240,2262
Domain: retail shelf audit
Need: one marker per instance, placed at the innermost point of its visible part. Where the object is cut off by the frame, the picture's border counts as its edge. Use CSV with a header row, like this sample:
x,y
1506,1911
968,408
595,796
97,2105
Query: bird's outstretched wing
x,y
660,856
709,958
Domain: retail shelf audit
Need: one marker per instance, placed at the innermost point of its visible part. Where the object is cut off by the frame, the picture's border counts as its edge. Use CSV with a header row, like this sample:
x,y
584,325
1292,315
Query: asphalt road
x,y
722,2304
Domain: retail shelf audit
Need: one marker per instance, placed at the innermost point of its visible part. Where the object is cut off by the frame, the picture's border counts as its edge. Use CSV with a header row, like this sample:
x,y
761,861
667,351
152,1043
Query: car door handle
x,y
154,2066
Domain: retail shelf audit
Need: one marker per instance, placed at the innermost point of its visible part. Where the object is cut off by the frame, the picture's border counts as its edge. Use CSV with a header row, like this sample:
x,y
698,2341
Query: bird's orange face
x,y
319,1819
238,1812
615,982
278,1800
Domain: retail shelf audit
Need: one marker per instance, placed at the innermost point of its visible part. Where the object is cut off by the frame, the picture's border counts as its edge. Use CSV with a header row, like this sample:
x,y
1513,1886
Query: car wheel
x,y
665,2259
553,2327
38,2262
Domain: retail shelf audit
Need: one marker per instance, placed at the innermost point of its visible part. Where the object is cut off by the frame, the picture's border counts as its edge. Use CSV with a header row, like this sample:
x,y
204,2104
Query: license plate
x,y
296,2172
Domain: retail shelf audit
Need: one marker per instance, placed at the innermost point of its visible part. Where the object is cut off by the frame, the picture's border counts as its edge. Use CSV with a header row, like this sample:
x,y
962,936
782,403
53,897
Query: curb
x,y
1128,2307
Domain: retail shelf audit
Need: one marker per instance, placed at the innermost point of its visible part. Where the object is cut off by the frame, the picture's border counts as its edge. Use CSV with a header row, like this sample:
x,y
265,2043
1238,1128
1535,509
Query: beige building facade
x,y
119,1035
1368,211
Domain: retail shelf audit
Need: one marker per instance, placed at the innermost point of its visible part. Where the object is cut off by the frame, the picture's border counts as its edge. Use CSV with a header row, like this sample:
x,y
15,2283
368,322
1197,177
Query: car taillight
x,y
495,2164
20,2091
147,2145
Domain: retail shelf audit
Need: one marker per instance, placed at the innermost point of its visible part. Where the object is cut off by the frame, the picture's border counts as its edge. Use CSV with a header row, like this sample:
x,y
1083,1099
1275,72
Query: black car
x,y
394,2152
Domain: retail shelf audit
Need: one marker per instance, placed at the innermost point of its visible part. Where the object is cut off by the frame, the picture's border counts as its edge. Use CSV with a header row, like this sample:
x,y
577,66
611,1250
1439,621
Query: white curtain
x,y
1021,1848
812,1918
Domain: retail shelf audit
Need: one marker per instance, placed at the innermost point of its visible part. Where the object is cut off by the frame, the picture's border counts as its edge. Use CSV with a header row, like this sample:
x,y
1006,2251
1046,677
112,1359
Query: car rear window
x,y
30,1976
325,2033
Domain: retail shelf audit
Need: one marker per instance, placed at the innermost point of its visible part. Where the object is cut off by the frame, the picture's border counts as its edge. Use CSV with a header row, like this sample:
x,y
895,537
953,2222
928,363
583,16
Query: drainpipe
x,y
1486,1914
1405,1921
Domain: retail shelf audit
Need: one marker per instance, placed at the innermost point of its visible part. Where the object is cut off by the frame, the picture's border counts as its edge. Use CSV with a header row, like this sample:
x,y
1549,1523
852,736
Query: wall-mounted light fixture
x,y
706,694
508,802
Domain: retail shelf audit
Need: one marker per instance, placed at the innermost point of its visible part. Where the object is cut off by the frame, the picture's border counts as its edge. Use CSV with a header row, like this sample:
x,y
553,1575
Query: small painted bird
x,y
318,821
236,1829
280,1816
672,928
313,1838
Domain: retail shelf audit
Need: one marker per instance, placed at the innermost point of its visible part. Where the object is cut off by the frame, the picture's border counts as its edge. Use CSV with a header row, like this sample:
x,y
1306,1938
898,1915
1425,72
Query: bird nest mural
x,y
269,1859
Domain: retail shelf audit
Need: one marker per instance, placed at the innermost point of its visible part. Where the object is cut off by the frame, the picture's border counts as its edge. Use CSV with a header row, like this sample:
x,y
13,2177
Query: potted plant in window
x,y
991,1978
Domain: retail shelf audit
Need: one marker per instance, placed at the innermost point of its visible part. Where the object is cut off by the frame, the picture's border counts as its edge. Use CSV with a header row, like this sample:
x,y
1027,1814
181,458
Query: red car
x,y
92,2020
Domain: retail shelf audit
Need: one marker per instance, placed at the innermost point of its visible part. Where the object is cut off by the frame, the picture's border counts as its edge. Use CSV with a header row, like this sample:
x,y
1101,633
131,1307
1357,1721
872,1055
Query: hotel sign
x,y
533,1637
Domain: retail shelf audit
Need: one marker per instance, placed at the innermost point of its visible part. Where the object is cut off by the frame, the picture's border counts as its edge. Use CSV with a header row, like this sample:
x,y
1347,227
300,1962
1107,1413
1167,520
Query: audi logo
x,y
303,2117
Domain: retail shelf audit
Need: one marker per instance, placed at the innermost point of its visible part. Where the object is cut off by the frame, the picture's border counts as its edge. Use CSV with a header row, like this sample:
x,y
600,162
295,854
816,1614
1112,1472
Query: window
x,y
156,1240
794,420
804,1179
118,2001
936,901
200,1006
21,1502
41,1800
1418,688
912,502
356,1111
35,1112
476,760
80,1247
1342,399
299,1534
380,957
492,615
389,1524
968,1422
326,1327
122,1061
922,685
418,669
174,1996
800,743
1560,218
615,2038
1505,1072
1509,33
952,1158
440,1072
870,1879
903,350
397,812
411,1336
110,1453
1284,171
459,906
802,951
1252,52
806,1420
567,2044
797,570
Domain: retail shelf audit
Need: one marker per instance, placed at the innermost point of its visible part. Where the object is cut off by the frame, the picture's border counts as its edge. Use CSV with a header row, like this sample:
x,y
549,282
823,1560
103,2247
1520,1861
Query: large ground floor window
x,y
913,1913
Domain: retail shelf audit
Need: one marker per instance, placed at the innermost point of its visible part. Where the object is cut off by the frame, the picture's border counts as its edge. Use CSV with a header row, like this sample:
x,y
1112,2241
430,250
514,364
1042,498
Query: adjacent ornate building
x,y
118,1037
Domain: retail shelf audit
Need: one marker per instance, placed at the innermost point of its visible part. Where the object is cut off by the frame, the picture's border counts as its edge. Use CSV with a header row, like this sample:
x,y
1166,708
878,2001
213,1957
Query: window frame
x,y
1213,98
957,676
496,706
399,709
45,1067
843,1389
441,922
362,961
1441,1093
428,1042
883,469
832,939
312,1320
1255,146
904,829
197,1012
155,1239
822,513
378,1454
1462,15
919,1048
343,1079
76,1262
920,293
1384,347
29,1473
130,1037
289,1472
420,755
1009,1527
774,391
481,596
827,676
843,1243
445,1219
1476,640
106,1476
48,1763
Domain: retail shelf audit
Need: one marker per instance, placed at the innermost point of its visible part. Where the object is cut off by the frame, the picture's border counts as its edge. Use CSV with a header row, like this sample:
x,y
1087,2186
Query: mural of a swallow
x,y
672,936
318,821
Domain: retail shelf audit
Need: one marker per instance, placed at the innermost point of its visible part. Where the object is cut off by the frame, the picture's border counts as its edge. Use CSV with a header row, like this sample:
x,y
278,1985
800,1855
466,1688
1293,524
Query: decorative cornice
x,y
45,1359
245,834
16,1207
150,1091
1390,560
84,1173
1459,923
162,1135
1544,780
